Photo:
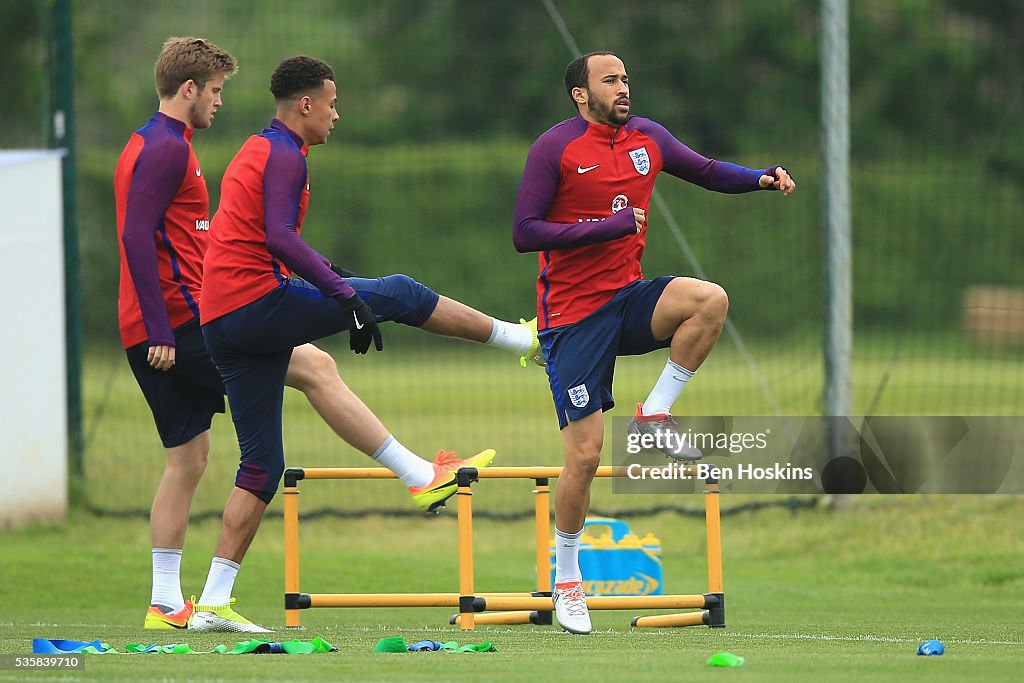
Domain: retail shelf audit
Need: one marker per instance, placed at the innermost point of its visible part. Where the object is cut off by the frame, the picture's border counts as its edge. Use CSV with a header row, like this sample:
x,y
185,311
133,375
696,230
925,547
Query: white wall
x,y
33,387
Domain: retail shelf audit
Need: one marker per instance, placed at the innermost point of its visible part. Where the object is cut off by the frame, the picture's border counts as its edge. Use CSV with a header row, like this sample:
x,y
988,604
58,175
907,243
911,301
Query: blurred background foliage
x,y
440,101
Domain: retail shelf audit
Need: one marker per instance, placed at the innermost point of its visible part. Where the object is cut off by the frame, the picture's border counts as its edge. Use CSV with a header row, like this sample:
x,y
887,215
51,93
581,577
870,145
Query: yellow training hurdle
x,y
505,608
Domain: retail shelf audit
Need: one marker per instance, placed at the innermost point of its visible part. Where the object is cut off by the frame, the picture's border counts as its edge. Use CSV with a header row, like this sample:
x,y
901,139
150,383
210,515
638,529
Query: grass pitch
x,y
812,595
815,595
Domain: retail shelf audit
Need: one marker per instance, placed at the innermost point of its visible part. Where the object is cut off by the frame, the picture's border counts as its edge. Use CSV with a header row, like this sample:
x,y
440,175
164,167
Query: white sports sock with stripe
x,y
167,579
219,583
665,392
413,470
567,556
512,336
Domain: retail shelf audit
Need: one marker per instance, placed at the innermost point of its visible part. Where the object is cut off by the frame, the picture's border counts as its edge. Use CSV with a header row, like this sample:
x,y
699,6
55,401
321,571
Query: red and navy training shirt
x,y
255,241
163,222
573,202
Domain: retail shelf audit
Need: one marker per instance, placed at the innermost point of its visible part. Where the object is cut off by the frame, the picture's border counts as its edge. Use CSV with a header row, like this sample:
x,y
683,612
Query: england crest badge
x,y
579,396
641,160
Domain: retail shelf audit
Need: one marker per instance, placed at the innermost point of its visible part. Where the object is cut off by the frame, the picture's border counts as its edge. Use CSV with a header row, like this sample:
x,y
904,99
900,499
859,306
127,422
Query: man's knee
x,y
582,440
310,367
584,461
692,297
260,478
715,303
190,458
419,301
581,465
583,455
193,467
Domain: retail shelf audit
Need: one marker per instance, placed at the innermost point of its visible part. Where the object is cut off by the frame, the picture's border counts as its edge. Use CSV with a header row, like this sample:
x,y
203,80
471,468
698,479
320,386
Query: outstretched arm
x,y
711,174
778,178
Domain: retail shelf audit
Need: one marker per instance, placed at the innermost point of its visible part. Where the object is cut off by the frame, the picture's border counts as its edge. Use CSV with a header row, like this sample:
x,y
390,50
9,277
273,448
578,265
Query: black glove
x,y
343,272
362,326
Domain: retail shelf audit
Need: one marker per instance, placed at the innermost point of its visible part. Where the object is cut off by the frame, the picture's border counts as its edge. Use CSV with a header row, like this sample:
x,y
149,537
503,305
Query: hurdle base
x,y
716,611
701,618
537,618
713,616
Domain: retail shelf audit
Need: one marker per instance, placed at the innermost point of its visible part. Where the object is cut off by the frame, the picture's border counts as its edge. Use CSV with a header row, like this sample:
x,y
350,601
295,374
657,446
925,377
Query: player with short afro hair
x,y
296,76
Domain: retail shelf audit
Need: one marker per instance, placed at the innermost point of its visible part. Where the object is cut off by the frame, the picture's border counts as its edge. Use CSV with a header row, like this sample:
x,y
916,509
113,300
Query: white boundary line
x,y
871,638
868,638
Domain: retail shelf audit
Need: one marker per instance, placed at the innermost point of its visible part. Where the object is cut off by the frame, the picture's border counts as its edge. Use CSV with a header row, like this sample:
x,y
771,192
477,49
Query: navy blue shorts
x,y
581,356
252,347
183,399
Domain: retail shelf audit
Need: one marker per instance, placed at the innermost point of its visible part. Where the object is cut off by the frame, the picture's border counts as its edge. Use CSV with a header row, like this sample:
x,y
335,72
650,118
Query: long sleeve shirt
x,y
255,236
163,222
574,204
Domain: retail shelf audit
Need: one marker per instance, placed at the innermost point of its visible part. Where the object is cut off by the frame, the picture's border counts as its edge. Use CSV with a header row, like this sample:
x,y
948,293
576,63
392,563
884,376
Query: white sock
x,y
219,583
567,556
673,378
410,468
512,336
167,579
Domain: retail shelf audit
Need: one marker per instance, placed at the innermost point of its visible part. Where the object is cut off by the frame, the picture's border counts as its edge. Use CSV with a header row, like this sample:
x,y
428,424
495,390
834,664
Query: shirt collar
x,y
174,123
604,131
277,124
